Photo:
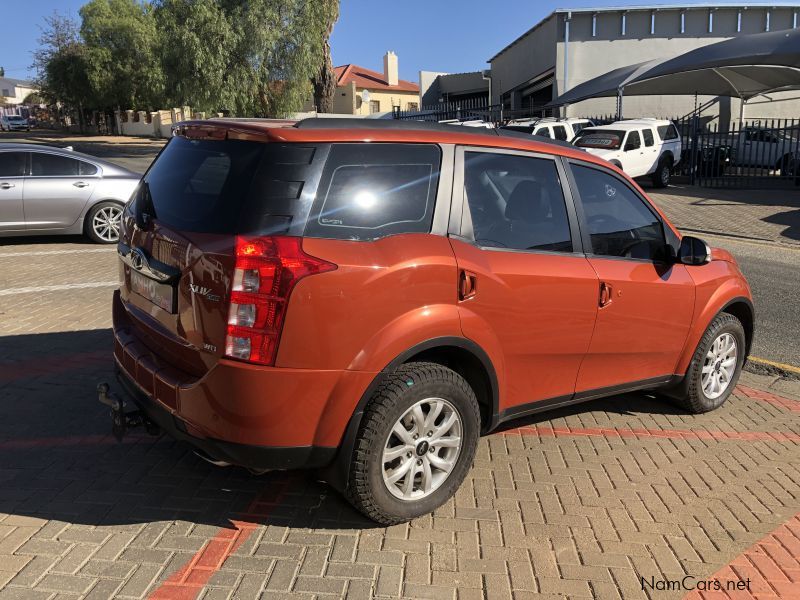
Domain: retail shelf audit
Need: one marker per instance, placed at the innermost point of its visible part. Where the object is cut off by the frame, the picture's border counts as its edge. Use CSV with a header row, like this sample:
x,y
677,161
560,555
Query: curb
x,y
761,366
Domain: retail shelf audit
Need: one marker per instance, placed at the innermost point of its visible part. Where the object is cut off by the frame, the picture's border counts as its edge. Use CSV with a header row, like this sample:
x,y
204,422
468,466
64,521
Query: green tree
x,y
124,66
254,58
325,81
61,66
2,72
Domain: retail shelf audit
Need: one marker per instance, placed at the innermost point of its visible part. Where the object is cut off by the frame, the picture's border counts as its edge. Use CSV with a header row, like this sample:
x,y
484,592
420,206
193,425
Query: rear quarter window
x,y
369,191
667,132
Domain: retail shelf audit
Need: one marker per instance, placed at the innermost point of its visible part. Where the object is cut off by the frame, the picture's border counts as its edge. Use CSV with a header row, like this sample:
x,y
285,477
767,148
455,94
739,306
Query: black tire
x,y
692,397
406,386
87,223
663,173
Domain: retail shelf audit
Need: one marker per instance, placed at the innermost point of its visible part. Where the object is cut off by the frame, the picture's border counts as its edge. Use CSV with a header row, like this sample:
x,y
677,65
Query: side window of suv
x,y
515,202
667,132
620,223
542,131
369,191
560,132
648,137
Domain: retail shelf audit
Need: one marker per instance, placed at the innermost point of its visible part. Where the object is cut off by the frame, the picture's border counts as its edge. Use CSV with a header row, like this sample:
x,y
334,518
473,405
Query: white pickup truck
x,y
640,147
766,148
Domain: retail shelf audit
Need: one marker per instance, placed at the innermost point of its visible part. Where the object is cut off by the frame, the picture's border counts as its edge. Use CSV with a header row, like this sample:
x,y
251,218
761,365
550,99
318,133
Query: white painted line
x,y
55,252
58,288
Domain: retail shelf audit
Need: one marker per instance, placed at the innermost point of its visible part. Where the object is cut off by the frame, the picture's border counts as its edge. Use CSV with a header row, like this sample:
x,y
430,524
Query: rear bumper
x,y
244,455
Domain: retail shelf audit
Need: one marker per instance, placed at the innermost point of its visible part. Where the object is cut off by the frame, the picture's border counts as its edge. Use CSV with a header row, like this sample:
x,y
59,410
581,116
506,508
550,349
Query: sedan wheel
x,y
103,223
422,449
719,366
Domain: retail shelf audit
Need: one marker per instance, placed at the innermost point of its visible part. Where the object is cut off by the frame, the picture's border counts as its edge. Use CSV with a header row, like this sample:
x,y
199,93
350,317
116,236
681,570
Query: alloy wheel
x,y
105,223
719,366
422,449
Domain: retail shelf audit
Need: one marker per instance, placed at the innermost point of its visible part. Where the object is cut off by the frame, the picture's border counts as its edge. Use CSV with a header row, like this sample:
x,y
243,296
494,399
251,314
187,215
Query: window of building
x,y
6,93
648,137
412,106
374,106
620,223
369,191
516,202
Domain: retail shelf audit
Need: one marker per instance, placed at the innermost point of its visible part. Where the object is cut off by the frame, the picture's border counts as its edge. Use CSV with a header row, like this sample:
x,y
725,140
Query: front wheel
x,y
415,444
716,365
103,221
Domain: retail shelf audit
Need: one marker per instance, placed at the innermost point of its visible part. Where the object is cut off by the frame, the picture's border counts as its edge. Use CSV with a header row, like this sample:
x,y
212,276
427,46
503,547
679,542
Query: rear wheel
x,y
716,365
415,443
663,172
103,221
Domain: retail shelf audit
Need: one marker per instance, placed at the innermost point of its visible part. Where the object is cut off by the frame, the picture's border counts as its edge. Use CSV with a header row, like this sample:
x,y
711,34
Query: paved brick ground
x,y
766,215
579,503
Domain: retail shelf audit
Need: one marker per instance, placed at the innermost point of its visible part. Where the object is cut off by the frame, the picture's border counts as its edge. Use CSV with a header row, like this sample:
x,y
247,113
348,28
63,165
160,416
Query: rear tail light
x,y
267,269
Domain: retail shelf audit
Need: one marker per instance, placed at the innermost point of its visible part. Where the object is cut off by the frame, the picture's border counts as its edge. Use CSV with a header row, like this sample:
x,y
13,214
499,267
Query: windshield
x,y
15,118
606,139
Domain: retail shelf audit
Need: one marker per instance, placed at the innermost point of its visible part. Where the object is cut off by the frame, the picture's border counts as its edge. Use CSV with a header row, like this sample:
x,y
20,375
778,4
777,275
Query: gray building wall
x,y
597,45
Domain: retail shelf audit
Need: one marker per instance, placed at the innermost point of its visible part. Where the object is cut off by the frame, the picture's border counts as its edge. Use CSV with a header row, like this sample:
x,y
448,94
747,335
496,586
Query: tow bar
x,y
121,421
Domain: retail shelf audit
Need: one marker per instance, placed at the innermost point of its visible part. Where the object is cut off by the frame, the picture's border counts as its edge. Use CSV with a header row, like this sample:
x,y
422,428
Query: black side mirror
x,y
694,251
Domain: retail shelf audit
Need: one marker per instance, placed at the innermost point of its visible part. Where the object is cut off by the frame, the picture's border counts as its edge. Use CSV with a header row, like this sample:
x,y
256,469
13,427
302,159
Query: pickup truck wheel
x,y
716,365
415,443
663,173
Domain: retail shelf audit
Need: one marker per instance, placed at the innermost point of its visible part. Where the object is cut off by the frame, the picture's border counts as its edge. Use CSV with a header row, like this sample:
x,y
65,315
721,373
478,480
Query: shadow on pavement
x,y
60,462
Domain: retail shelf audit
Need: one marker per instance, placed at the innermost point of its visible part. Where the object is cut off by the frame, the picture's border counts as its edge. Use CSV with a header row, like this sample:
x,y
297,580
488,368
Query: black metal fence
x,y
755,153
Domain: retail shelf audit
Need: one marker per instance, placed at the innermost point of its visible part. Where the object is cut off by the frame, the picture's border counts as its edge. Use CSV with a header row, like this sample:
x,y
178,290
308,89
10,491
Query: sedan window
x,y
12,164
54,165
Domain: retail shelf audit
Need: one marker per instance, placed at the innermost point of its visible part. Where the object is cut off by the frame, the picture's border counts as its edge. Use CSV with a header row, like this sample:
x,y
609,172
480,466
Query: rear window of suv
x,y
352,191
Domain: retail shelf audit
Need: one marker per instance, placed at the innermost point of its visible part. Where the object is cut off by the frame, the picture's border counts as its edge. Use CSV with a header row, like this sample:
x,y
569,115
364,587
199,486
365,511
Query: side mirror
x,y
694,251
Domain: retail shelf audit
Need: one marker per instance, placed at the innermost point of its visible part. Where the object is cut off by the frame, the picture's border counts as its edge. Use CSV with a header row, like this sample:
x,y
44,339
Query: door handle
x,y
467,285
80,184
7,186
606,292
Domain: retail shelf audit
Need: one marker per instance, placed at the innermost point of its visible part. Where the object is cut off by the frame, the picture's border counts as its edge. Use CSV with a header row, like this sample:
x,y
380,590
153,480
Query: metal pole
x,y
620,92
742,103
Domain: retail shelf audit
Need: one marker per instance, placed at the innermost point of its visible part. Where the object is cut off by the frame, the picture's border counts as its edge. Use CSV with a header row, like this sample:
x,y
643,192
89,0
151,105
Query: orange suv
x,y
370,297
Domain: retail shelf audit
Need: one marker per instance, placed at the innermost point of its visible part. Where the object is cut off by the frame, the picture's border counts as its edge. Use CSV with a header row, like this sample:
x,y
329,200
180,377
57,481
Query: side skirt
x,y
531,408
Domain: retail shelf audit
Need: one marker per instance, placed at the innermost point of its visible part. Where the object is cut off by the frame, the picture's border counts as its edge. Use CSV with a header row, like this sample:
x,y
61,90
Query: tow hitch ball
x,y
121,421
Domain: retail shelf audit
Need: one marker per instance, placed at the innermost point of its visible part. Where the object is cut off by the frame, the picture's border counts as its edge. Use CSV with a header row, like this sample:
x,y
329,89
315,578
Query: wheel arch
x,y
742,309
462,355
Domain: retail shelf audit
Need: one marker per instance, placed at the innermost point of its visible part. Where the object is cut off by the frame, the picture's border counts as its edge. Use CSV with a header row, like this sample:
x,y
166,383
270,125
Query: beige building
x,y
361,91
571,46
14,91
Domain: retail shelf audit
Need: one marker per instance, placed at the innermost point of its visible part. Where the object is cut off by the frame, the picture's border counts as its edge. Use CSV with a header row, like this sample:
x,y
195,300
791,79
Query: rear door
x,y
651,150
633,159
12,183
646,299
527,290
57,190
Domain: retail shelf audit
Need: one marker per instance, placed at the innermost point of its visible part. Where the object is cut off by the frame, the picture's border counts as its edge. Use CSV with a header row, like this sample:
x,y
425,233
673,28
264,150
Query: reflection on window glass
x,y
516,202
619,222
370,191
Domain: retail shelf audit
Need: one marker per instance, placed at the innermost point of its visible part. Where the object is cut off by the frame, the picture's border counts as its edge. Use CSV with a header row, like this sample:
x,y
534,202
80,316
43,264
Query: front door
x,y
527,293
646,300
634,162
57,190
12,171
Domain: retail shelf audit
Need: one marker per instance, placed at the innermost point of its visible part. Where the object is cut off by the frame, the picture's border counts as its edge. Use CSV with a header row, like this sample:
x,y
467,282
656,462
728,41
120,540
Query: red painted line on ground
x,y
772,566
769,398
684,434
54,364
188,582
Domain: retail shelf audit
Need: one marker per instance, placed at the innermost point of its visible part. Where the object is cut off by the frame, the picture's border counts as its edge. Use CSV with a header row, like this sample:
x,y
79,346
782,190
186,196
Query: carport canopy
x,y
742,67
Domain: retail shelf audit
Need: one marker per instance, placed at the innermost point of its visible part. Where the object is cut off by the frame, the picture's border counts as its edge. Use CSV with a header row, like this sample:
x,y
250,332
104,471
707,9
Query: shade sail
x,y
743,67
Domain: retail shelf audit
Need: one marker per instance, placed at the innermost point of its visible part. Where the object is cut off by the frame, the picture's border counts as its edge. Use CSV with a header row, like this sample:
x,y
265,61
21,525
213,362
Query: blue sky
x,y
437,35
